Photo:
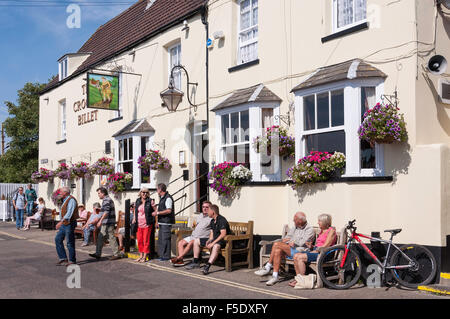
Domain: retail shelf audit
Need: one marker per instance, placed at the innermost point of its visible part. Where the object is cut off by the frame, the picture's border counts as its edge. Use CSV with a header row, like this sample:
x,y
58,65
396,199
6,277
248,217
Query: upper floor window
x,y
62,120
347,13
63,69
175,59
248,31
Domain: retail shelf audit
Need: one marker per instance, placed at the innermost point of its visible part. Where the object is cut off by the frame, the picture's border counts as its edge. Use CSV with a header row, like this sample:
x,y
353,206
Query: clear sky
x,y
34,35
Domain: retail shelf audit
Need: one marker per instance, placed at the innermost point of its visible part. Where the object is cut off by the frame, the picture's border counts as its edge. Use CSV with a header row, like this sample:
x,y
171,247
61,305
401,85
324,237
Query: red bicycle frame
x,y
356,236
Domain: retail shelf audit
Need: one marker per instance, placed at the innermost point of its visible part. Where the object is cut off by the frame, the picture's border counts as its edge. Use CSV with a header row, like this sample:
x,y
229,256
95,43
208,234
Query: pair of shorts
x,y
293,252
222,243
202,240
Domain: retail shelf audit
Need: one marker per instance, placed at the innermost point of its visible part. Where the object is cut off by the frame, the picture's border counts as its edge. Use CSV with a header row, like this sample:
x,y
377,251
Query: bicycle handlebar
x,y
351,224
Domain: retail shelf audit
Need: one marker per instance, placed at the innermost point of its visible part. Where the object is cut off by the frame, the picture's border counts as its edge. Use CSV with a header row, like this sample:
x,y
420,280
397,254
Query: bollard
x,y
127,225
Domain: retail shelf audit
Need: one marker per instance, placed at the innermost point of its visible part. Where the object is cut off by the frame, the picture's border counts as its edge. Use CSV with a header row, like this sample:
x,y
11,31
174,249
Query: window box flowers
x,y
103,166
153,160
227,177
316,167
118,182
383,124
42,175
63,171
81,170
286,143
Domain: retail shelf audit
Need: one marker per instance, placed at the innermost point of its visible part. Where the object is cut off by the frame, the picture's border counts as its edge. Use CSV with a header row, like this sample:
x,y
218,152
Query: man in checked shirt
x,y
294,242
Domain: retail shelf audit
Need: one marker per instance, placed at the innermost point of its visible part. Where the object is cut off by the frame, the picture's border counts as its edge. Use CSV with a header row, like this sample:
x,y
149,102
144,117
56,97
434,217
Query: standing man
x,y
19,203
30,195
219,229
66,228
166,218
106,225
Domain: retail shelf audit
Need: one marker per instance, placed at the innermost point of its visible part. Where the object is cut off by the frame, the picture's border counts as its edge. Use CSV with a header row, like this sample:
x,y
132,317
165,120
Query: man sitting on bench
x,y
219,229
294,242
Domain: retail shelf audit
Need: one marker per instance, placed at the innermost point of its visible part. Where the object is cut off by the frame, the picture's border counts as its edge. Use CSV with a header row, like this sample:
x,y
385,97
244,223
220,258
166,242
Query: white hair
x,y
326,219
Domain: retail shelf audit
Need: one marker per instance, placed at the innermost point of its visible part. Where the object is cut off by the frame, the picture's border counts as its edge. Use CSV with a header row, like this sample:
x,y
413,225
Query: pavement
x,y
28,270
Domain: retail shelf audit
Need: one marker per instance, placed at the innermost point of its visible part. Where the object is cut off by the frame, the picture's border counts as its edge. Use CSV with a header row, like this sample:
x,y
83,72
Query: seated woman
x,y
36,216
82,213
326,238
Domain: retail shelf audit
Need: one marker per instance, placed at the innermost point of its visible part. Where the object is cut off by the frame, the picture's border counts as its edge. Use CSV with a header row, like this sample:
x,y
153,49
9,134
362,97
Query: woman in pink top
x,y
144,208
326,238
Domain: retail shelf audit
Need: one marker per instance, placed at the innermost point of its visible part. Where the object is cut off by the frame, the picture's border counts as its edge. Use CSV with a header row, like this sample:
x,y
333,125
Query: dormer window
x,y
63,68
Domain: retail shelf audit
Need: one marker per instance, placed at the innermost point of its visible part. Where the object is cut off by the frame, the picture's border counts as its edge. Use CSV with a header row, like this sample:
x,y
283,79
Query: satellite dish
x,y
437,64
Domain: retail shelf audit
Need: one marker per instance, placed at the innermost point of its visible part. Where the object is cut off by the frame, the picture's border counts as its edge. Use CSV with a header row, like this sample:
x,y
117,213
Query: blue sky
x,y
35,35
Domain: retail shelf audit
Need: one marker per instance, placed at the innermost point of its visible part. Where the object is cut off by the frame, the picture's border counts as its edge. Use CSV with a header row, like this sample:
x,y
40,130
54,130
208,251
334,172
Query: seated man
x,y
202,228
294,242
219,229
90,225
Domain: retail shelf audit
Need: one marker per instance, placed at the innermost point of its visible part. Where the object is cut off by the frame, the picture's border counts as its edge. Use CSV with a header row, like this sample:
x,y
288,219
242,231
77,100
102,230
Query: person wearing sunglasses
x,y
144,208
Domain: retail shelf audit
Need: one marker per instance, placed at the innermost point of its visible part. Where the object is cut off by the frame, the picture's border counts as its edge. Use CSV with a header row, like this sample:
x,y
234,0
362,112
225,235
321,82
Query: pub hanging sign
x,y
102,91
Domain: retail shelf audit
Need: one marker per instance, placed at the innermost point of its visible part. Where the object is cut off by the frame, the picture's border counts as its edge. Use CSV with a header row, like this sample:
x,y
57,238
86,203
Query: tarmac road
x,y
28,270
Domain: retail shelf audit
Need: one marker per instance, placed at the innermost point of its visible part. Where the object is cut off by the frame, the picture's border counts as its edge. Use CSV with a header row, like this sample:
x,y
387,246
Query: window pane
x,y
344,12
126,167
144,144
367,155
309,113
360,10
337,108
225,129
121,150
367,99
238,154
323,110
130,145
234,127
245,134
125,149
326,142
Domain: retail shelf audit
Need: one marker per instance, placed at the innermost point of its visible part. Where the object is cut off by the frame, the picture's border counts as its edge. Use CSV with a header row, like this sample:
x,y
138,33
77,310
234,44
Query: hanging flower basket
x,y
57,198
103,166
42,175
81,170
227,177
286,143
118,182
63,171
316,167
383,125
152,161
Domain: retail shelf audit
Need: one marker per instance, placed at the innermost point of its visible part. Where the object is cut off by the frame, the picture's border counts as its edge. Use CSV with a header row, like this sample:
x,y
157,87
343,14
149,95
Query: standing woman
x,y
144,208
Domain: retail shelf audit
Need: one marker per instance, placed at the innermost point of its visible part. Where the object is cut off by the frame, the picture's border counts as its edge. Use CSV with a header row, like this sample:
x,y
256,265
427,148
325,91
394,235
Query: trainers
x,y
63,262
262,272
193,265
206,269
272,281
115,257
84,244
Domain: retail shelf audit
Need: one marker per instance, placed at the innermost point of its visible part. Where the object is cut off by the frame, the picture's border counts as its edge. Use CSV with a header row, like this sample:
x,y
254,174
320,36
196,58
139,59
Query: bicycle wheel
x,y
330,271
423,268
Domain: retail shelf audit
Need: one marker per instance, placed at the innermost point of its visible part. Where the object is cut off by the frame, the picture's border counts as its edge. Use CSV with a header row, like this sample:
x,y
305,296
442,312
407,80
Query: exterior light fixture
x,y
171,96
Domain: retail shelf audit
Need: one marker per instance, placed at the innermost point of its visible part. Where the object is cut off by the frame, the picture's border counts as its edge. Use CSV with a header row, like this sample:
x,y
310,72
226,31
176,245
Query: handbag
x,y
305,282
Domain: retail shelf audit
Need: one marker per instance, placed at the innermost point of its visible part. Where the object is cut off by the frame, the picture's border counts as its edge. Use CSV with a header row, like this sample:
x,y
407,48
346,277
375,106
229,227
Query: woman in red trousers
x,y
144,208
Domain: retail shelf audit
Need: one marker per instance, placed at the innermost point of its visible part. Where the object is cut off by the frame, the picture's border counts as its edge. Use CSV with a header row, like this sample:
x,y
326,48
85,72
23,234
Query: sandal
x,y
138,260
292,283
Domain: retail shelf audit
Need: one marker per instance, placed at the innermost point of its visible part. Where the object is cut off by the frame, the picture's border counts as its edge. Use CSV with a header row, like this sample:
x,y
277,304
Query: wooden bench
x,y
79,230
47,219
242,232
264,253
120,223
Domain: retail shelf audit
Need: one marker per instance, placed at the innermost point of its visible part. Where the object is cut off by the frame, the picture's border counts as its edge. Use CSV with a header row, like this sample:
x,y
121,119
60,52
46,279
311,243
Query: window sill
x,y
61,141
116,119
243,66
353,179
356,28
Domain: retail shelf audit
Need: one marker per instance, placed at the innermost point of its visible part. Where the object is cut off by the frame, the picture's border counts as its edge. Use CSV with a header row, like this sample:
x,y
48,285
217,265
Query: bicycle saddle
x,y
393,231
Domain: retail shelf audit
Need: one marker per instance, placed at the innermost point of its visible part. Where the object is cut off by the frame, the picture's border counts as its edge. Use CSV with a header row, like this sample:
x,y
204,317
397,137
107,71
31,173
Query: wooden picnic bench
x,y
264,253
240,242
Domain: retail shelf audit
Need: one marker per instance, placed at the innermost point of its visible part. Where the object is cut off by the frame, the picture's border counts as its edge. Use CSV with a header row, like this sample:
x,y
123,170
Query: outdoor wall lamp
x,y
171,96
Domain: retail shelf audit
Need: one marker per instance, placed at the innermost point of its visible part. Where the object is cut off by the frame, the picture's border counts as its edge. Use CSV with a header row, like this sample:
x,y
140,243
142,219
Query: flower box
x,y
227,177
153,160
275,135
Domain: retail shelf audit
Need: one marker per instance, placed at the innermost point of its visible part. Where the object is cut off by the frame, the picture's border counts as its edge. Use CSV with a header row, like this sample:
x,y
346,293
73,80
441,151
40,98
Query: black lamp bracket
x,y
171,85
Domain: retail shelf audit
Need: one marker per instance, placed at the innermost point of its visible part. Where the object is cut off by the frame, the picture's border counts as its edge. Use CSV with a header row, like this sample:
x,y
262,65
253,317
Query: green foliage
x,y
22,127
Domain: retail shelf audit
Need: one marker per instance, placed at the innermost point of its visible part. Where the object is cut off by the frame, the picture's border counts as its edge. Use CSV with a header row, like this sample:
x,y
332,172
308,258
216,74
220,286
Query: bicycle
x,y
339,266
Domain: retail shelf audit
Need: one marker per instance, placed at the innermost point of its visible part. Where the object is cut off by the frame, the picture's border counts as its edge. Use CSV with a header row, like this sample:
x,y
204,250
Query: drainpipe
x,y
206,24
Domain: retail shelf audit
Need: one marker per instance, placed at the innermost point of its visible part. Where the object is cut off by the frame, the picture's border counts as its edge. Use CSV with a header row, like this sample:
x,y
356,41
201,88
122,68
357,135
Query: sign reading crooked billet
x,y
102,91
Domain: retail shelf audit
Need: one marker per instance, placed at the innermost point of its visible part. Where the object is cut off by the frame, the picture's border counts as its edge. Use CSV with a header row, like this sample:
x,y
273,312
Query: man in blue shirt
x,y
19,203
66,228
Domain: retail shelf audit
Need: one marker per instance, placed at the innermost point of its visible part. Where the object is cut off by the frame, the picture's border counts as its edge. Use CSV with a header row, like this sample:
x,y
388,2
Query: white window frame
x,y
177,73
63,68
352,121
62,105
252,27
136,142
350,25
255,129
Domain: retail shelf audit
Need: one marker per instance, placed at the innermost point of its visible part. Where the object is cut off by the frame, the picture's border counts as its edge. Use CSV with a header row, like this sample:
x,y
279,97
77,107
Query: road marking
x,y
183,273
